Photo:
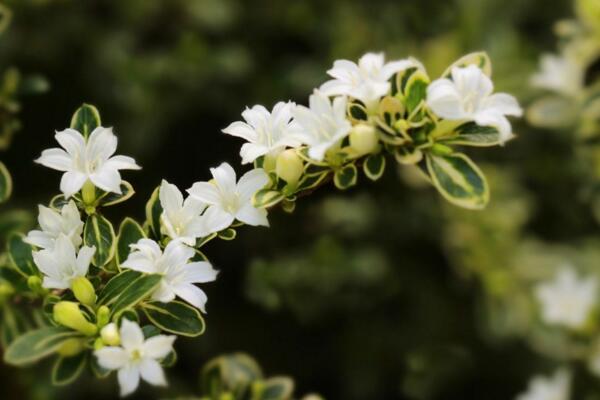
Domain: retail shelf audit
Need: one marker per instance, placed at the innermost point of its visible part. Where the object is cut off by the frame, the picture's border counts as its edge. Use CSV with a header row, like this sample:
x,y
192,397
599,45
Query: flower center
x,y
136,355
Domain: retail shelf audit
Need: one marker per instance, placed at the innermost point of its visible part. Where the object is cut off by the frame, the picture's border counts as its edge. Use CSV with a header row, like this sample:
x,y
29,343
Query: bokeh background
x,y
381,292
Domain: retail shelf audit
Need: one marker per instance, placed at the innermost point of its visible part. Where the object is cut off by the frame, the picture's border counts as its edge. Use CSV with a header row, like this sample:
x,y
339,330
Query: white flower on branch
x,y
367,81
229,200
178,273
136,357
556,387
559,73
323,124
266,132
468,96
53,223
180,218
90,159
61,264
567,300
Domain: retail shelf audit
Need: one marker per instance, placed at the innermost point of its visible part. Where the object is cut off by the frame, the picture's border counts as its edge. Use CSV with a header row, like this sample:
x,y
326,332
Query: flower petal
x,y
72,182
250,215
101,144
200,272
215,219
251,182
84,258
55,158
132,337
159,346
192,294
205,192
72,141
152,372
107,179
225,178
242,130
171,198
112,357
122,162
129,379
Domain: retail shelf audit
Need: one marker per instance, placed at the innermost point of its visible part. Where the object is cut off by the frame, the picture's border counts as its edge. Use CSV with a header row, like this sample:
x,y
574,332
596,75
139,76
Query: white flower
x,y
368,81
180,218
556,387
560,73
468,96
67,222
228,200
136,357
567,300
60,265
178,273
82,160
323,125
266,132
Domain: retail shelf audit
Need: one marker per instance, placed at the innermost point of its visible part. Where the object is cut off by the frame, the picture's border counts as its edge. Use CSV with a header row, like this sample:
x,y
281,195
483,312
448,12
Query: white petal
x,y
56,159
53,283
159,346
251,152
163,293
200,272
129,379
171,198
225,178
101,144
503,103
444,100
192,294
251,182
72,141
47,263
152,372
72,182
39,239
132,337
177,253
205,192
64,250
112,357
122,162
391,68
215,219
250,215
84,258
318,152
242,130
107,179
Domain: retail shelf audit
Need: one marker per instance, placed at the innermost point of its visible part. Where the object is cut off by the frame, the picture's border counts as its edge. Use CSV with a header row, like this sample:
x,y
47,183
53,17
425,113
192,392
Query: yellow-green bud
x,y
6,289
88,193
67,313
83,290
269,162
98,344
363,139
110,335
441,149
289,166
102,316
71,347
35,284
402,125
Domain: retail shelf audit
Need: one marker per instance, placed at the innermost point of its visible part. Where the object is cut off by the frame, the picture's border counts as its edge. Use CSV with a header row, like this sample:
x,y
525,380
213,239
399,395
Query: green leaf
x,y
20,255
175,317
116,286
276,388
109,198
309,182
5,183
345,177
357,112
314,169
416,90
153,212
266,198
459,180
374,166
231,372
137,291
67,369
99,232
11,325
479,59
227,234
471,134
129,233
86,119
36,344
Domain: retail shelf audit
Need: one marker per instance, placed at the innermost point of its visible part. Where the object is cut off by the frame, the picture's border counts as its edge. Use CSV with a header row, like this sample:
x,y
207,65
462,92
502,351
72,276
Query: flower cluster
x,y
115,299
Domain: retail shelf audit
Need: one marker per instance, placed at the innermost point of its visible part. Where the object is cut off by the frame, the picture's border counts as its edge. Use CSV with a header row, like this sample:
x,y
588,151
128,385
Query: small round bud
x,y
71,347
35,284
402,125
289,166
88,193
67,313
83,290
441,149
102,316
110,335
363,139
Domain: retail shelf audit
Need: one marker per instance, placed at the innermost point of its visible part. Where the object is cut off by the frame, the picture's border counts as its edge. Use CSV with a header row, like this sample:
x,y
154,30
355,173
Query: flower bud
x,y
83,290
363,139
71,347
102,316
35,284
289,166
67,313
88,193
110,335
441,149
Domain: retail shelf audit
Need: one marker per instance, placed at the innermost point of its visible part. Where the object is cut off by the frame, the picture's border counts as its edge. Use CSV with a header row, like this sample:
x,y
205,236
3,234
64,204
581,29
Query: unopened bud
x,y
363,139
441,149
110,335
83,290
35,284
88,193
71,347
67,313
289,166
102,316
